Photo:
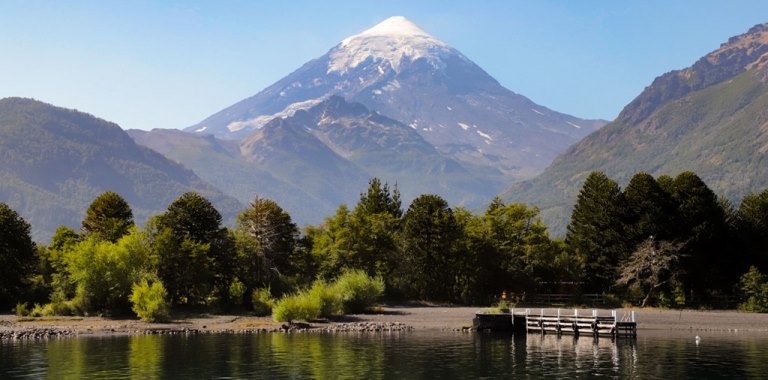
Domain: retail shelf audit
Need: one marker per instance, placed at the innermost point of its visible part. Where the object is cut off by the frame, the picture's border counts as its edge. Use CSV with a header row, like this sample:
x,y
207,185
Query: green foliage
x,y
236,291
109,217
358,291
17,255
751,228
428,250
262,301
378,199
328,297
104,272
352,292
702,225
195,255
150,301
268,241
597,231
650,209
22,309
296,307
754,288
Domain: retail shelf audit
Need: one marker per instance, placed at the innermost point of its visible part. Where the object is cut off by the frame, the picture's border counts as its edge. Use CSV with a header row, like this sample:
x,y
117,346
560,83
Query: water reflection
x,y
441,355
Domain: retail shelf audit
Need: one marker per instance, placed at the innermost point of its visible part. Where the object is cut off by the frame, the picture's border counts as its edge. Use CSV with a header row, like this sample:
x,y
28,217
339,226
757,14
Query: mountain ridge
x,y
55,161
427,85
709,118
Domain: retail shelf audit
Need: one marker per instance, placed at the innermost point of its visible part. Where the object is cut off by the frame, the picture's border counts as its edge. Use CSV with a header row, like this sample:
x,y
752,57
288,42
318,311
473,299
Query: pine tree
x,y
428,249
109,217
597,233
17,254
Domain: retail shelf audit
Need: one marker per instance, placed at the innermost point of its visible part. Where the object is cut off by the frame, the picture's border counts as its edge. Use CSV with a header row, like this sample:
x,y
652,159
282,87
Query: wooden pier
x,y
574,324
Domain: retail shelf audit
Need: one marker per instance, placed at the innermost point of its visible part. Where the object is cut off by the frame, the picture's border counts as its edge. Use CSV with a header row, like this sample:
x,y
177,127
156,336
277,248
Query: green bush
x,y
328,297
150,301
296,306
22,309
262,301
236,292
358,291
754,287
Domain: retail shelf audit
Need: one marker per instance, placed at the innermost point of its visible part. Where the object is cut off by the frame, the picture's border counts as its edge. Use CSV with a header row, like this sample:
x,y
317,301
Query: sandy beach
x,y
419,318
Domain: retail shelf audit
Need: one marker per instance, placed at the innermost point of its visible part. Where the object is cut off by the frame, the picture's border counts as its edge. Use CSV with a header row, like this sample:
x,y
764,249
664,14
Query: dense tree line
x,y
659,240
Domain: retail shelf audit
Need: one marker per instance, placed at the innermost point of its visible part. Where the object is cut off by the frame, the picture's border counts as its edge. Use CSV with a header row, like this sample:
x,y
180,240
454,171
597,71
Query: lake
x,y
415,355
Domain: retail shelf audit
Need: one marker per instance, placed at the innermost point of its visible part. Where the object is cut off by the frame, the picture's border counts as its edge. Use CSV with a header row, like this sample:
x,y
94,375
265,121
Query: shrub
x,y
236,291
754,287
150,301
22,309
328,297
296,306
358,291
262,300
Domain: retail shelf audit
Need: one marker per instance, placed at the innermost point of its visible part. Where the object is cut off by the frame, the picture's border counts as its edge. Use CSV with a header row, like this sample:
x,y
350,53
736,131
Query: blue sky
x,y
168,64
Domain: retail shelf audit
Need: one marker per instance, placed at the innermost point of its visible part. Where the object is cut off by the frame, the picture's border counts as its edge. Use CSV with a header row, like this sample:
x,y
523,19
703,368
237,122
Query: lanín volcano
x,y
403,72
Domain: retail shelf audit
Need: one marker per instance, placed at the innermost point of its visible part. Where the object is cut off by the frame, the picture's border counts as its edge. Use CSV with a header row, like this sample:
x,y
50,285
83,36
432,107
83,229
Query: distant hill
x,y
55,161
399,70
318,158
711,118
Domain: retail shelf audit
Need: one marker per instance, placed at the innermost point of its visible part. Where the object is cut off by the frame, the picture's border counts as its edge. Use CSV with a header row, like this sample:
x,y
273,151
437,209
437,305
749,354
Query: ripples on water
x,y
438,355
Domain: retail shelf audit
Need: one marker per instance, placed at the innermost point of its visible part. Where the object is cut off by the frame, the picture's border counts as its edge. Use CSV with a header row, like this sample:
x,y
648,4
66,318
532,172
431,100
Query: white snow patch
x,y
377,92
449,108
427,129
537,111
464,126
201,129
394,40
484,135
259,121
573,125
392,86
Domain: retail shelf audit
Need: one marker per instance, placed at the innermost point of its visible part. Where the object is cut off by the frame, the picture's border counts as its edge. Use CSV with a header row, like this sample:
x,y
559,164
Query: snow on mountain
x,y
392,41
400,71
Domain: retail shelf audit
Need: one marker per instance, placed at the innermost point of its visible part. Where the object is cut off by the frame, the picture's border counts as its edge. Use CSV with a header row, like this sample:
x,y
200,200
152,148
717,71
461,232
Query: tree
x,y
364,238
650,209
109,217
428,253
702,225
597,231
754,290
751,225
271,237
195,254
17,254
378,199
652,266
509,249
104,272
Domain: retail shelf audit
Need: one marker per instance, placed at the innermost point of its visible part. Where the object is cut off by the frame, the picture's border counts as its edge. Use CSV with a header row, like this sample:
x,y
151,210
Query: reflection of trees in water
x,y
442,355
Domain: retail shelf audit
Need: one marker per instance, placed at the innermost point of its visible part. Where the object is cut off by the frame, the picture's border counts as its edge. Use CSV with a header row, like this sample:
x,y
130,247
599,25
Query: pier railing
x,y
565,322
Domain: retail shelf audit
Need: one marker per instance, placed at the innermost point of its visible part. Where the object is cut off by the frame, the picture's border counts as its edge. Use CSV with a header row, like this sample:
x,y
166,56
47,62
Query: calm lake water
x,y
414,355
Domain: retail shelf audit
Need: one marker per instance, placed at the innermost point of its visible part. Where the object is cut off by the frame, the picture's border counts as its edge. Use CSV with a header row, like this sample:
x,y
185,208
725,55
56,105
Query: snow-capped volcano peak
x,y
393,41
391,27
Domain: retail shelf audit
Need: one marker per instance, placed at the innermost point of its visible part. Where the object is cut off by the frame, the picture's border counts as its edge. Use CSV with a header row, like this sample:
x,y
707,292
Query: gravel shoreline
x,y
390,319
